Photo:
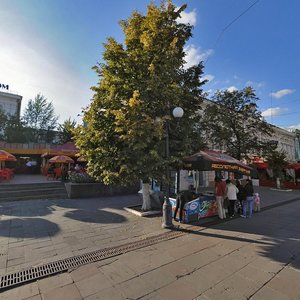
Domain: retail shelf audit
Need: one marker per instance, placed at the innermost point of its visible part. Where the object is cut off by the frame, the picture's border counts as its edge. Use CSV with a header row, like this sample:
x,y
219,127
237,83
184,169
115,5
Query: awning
x,y
261,165
294,166
68,149
208,160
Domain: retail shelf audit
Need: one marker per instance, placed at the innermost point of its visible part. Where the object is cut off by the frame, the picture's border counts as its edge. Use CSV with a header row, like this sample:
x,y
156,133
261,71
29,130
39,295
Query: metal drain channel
x,y
12,280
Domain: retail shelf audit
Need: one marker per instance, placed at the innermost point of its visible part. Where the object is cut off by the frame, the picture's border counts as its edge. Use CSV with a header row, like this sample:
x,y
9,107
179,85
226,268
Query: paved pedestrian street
x,y
257,258
41,231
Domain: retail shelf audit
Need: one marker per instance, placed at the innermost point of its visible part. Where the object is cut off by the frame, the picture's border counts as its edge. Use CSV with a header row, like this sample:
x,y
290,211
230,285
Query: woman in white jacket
x,y
231,193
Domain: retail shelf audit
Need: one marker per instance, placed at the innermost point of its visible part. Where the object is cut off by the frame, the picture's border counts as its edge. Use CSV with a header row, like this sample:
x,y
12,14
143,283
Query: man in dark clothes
x,y
182,198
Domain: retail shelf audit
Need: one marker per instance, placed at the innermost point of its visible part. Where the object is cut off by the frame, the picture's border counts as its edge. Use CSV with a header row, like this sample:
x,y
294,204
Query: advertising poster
x,y
202,207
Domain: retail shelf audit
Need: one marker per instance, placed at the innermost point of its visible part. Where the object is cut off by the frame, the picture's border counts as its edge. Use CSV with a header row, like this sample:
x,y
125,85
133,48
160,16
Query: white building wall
x,y
10,103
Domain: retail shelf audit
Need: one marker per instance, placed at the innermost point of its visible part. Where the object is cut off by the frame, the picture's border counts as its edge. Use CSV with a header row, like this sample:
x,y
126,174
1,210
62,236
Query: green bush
x,y
81,178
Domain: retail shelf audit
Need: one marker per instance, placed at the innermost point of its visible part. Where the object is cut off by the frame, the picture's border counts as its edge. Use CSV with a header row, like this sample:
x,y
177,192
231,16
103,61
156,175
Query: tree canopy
x,y
66,131
140,82
233,122
40,117
277,161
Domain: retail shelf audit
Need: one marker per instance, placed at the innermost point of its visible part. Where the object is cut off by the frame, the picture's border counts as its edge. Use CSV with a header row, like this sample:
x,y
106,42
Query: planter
x,y
90,190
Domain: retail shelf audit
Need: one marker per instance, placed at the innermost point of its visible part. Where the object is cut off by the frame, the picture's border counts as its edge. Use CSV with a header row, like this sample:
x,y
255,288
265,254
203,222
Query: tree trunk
x,y
146,196
278,182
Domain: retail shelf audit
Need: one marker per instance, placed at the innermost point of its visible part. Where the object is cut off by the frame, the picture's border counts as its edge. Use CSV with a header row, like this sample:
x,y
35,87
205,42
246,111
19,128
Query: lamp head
x,y
178,112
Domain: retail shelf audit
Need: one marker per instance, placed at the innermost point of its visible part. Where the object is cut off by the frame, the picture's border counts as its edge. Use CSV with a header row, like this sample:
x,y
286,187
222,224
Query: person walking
x,y
220,187
241,196
182,198
231,194
248,204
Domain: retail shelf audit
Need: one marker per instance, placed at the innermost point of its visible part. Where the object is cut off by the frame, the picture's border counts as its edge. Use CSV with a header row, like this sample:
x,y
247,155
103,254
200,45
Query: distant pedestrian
x,y
256,202
231,194
248,204
220,188
241,196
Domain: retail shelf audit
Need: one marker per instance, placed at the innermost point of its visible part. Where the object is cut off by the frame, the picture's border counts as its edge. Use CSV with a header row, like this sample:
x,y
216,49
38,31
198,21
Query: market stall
x,y
205,204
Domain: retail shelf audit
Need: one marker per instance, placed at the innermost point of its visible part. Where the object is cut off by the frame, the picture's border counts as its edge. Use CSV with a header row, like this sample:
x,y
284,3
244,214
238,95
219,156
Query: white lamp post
x,y
167,207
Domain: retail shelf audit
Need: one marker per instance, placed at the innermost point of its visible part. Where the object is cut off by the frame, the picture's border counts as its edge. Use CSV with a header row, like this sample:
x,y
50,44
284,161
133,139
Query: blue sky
x,y
49,46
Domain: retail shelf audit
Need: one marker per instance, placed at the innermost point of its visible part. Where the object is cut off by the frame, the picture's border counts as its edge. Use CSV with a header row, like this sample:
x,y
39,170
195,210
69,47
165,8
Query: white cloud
x,y
255,84
194,55
282,93
208,77
31,65
297,126
274,111
232,89
188,18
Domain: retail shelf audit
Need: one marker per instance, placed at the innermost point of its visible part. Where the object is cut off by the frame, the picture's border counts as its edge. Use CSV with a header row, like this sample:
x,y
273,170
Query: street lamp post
x,y
167,207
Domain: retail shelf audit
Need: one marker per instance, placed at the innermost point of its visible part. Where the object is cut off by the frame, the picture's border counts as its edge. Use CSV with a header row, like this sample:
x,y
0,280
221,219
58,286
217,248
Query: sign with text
x,y
4,86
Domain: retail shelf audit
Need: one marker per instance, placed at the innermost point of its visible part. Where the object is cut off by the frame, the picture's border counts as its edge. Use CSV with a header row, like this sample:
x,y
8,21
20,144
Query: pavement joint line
x,y
194,270
274,274
171,234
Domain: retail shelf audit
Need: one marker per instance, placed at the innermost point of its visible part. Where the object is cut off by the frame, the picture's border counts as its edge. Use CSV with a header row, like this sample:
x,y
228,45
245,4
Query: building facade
x,y
10,103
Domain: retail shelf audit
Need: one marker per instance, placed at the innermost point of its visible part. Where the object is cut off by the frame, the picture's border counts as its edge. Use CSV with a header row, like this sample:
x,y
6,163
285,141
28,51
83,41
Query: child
x,y
256,202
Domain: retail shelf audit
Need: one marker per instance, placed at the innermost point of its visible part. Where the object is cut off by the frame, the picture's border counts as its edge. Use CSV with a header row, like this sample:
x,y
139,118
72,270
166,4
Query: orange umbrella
x,y
5,156
61,159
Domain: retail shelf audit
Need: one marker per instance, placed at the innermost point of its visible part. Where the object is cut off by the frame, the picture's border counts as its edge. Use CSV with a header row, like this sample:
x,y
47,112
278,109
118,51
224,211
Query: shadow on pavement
x,y
116,202
28,228
276,232
98,216
41,209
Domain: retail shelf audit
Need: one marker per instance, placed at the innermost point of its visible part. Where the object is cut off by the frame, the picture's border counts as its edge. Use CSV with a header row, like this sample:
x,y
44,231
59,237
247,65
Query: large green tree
x,y
66,131
277,161
232,121
140,82
39,116
15,131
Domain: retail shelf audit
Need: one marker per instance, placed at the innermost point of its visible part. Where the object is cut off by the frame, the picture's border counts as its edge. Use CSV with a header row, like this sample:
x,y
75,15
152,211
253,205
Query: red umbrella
x,y
5,156
61,159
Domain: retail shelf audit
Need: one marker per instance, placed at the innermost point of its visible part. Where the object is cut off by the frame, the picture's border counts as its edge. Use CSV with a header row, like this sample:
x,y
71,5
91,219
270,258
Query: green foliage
x,y
236,123
12,129
15,131
139,85
40,117
66,131
277,161
3,122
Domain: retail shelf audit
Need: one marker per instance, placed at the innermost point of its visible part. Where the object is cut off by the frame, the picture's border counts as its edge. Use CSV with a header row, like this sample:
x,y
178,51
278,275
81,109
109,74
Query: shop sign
x,y
230,168
4,86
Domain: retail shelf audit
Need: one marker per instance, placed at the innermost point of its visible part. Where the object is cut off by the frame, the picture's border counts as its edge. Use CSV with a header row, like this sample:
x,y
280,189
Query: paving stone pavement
x,y
237,259
41,231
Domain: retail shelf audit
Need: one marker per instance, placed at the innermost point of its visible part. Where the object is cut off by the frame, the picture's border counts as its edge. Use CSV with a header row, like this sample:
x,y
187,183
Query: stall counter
x,y
202,207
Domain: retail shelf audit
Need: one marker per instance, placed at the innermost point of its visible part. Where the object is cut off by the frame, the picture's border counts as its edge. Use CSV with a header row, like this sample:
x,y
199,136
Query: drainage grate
x,y
24,276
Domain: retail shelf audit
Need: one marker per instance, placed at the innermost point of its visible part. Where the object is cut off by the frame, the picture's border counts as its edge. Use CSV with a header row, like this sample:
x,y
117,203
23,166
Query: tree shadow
x,y
115,202
95,216
274,232
29,210
28,228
